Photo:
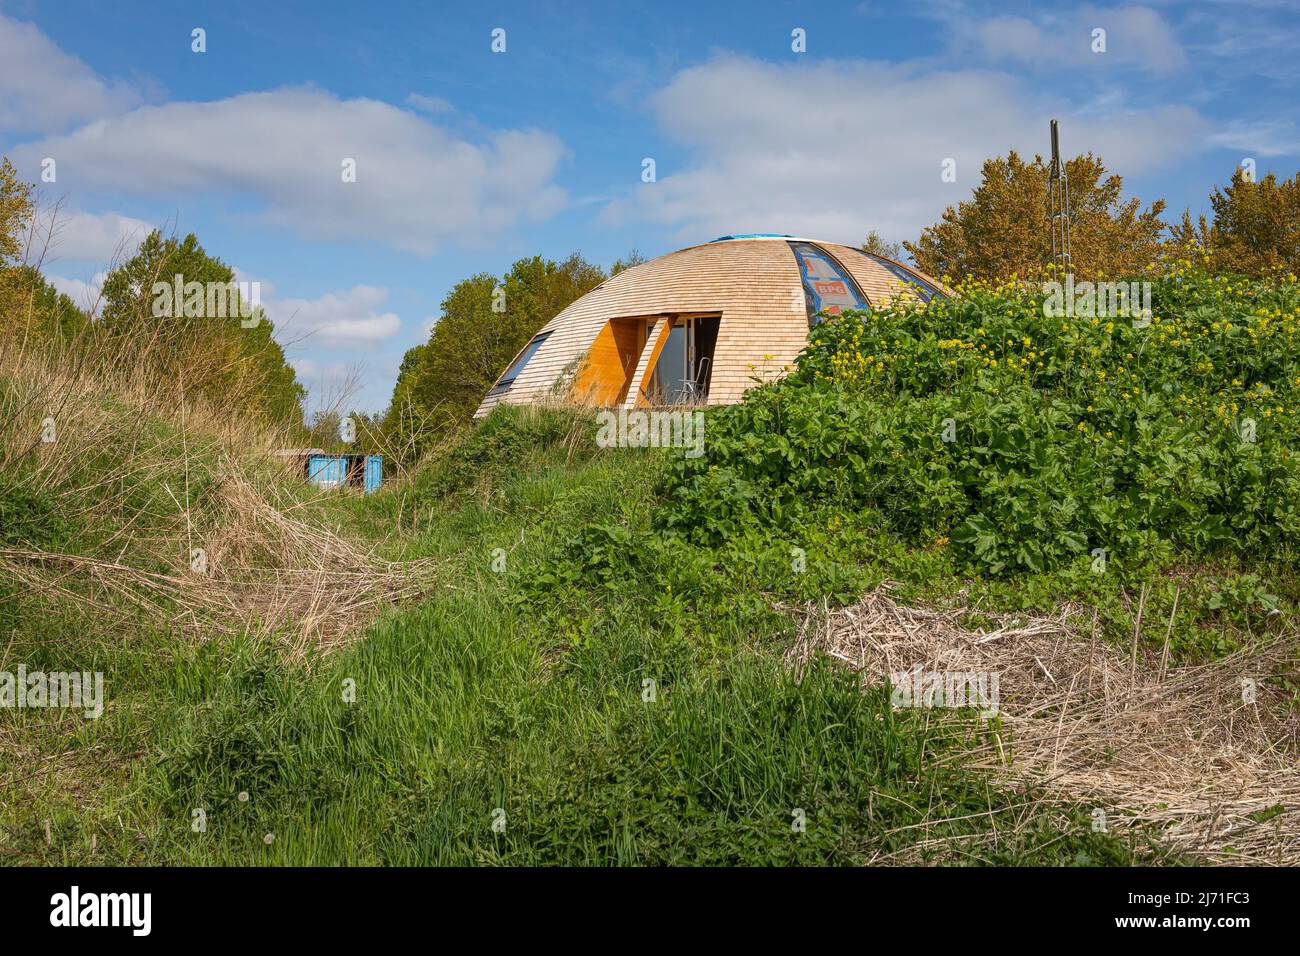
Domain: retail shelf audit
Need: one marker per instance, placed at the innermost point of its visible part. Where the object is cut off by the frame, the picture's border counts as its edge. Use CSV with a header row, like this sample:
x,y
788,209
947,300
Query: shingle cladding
x,y
753,283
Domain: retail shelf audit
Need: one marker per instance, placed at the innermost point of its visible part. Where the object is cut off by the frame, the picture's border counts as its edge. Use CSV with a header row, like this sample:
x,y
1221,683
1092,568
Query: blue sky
x,y
469,159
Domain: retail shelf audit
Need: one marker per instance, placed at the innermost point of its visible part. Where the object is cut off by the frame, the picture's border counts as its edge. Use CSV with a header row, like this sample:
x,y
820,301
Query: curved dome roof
x,y
747,301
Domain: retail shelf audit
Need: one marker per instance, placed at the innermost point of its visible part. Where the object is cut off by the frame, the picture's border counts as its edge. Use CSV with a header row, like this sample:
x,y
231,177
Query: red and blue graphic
x,y
827,287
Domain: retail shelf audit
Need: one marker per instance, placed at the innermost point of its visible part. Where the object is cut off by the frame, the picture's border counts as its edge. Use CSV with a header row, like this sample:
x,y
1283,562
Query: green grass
x,y
598,668
521,690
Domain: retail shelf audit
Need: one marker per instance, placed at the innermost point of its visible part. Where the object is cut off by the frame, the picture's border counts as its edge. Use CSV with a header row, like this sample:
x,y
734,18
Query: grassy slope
x,y
121,484
520,690
520,685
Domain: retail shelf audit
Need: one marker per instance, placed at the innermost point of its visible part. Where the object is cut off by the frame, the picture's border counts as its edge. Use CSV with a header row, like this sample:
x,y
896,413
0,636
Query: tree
x,y
323,430
466,346
16,206
483,324
200,339
326,431
28,301
29,305
406,372
634,258
1002,230
876,245
15,214
1256,226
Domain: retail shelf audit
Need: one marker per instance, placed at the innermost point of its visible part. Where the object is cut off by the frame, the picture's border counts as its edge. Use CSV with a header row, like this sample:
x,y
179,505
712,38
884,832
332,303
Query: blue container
x,y
364,472
374,472
325,470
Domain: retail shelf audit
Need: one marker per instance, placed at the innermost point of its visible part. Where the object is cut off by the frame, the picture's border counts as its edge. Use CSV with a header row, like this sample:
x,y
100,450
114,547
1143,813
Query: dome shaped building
x,y
699,326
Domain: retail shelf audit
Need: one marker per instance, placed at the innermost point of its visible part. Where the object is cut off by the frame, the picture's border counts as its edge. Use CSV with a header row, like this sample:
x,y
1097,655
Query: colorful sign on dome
x,y
827,287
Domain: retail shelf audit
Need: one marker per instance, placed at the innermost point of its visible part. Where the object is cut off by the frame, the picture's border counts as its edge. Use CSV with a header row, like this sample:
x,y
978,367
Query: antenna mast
x,y
1058,206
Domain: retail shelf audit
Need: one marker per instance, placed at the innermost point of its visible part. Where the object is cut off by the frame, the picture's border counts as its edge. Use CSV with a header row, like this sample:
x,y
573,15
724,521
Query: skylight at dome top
x,y
754,235
699,325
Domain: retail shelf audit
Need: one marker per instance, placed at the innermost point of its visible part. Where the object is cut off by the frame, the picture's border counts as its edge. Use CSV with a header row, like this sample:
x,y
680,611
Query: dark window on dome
x,y
505,381
924,290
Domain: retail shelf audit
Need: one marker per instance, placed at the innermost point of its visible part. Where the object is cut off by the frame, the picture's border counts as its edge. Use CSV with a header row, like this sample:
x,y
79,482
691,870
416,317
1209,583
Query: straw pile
x,y
1181,750
266,573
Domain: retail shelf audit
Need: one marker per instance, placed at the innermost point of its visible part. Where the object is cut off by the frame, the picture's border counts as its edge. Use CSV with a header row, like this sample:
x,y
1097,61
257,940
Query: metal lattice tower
x,y
1058,207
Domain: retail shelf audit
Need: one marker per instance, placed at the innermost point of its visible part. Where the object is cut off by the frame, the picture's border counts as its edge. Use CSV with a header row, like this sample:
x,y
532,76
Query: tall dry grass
x,y
153,472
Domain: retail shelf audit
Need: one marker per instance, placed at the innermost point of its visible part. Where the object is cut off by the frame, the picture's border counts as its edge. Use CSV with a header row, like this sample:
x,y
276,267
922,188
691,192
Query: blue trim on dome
x,y
754,235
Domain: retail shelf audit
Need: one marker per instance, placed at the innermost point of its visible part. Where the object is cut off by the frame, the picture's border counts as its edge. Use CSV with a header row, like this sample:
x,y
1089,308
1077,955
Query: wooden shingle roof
x,y
753,283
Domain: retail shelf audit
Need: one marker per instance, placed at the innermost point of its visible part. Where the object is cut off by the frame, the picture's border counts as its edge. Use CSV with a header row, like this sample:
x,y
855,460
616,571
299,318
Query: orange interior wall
x,y
611,360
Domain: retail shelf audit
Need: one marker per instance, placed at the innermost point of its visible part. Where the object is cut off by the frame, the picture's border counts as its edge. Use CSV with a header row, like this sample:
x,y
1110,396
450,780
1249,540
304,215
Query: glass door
x,y
672,377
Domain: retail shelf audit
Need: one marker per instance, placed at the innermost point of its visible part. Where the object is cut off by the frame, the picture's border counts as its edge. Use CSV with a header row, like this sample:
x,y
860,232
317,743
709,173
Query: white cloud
x,y
44,89
1264,138
1008,38
330,385
1136,37
347,319
429,104
309,368
82,293
834,149
417,186
90,237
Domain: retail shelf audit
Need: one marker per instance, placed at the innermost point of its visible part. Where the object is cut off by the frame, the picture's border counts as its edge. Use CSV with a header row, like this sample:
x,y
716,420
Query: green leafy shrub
x,y
1025,441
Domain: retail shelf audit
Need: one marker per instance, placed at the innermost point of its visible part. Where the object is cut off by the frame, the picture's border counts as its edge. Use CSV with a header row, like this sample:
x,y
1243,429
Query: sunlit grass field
x,y
592,670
